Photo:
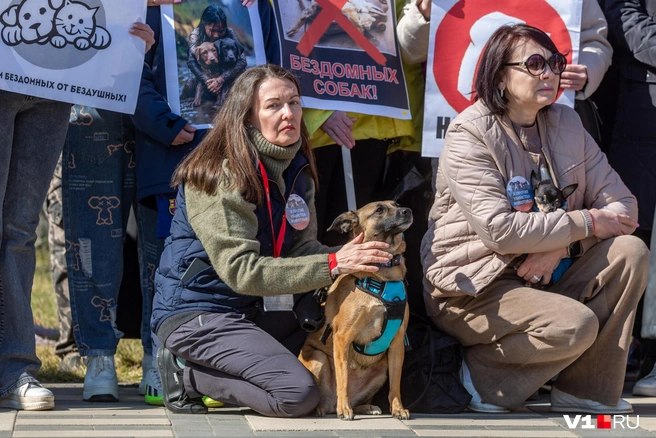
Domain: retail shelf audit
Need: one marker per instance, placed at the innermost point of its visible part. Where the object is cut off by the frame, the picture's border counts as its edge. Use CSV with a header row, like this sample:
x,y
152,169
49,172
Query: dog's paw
x,y
368,410
319,412
345,413
197,102
401,414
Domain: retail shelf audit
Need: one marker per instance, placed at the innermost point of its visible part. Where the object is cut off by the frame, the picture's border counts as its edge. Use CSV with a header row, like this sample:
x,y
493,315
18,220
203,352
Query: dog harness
x,y
393,296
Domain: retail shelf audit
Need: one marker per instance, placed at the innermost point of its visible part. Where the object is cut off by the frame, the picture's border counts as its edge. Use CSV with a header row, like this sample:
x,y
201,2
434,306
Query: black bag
x,y
429,383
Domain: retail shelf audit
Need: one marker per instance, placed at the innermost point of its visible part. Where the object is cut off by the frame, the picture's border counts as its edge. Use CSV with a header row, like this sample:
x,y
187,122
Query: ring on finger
x,y
536,278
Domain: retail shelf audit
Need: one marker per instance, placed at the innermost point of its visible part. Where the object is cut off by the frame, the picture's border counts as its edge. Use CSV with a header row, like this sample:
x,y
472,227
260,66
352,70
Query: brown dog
x,y
347,375
207,56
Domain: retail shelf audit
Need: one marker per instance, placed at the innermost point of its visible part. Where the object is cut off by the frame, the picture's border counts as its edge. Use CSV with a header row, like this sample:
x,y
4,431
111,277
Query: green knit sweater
x,y
227,227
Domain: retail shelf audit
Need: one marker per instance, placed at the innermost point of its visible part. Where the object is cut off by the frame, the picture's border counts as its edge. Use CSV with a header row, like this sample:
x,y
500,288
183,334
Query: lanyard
x,y
277,243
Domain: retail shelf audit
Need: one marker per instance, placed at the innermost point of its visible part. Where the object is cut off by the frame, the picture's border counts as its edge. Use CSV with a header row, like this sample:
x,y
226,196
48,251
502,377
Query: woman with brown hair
x,y
242,247
519,327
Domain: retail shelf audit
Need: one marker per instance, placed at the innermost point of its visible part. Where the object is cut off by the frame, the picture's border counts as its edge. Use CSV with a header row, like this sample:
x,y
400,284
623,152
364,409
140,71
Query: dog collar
x,y
393,296
395,261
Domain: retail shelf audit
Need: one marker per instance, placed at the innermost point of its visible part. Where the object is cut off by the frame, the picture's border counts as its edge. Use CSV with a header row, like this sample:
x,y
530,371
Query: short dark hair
x,y
496,54
213,14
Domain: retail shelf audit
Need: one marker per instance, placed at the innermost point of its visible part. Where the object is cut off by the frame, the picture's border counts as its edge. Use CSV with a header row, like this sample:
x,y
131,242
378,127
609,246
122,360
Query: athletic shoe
x,y
29,397
100,381
564,402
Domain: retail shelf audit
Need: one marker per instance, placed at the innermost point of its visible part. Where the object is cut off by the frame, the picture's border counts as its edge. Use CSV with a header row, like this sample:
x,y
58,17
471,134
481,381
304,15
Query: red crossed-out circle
x,y
452,38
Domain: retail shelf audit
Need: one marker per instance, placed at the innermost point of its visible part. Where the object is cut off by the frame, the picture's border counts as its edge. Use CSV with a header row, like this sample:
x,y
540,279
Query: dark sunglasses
x,y
536,64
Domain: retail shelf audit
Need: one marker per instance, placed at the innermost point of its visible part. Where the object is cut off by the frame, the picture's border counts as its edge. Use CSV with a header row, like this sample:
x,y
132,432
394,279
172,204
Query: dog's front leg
x,y
395,356
341,353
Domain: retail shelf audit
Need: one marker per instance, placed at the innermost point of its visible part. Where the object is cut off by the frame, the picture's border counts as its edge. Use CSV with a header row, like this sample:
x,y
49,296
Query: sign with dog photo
x,y
207,44
459,30
76,51
345,54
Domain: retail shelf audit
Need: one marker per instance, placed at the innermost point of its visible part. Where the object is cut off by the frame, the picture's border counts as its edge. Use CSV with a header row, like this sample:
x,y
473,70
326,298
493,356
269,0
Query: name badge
x,y
297,212
279,303
520,194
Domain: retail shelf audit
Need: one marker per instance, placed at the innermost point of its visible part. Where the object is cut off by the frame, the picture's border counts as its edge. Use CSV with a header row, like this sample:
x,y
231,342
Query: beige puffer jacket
x,y
473,233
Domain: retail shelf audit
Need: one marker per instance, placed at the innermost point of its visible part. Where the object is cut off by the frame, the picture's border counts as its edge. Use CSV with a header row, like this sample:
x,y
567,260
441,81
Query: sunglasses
x,y
536,64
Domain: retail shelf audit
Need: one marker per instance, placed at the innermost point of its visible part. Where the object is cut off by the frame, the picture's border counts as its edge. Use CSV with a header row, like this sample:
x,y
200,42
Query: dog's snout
x,y
406,212
35,26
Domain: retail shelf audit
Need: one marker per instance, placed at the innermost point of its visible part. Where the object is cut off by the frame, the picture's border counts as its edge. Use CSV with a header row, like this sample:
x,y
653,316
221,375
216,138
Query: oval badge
x,y
297,211
520,194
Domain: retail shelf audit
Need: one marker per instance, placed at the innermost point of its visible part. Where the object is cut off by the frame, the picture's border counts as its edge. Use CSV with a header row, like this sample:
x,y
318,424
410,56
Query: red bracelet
x,y
332,261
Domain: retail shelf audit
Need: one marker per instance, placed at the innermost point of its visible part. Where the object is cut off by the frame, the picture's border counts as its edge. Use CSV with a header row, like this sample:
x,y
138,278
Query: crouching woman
x,y
243,242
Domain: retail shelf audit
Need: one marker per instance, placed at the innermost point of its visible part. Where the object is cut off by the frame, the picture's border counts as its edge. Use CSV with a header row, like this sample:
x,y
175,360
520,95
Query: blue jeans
x,y
32,133
98,185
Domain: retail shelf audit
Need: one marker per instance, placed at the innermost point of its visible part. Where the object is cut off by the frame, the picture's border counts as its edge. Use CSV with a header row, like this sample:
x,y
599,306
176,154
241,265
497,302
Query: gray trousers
x,y
516,338
236,360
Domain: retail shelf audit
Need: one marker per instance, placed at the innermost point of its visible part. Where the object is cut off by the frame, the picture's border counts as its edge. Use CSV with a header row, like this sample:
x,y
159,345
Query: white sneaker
x,y
154,394
100,381
29,397
564,402
476,404
146,366
647,385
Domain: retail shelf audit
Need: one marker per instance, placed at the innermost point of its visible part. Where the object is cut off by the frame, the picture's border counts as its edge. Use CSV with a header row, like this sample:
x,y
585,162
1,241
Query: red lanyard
x,y
277,243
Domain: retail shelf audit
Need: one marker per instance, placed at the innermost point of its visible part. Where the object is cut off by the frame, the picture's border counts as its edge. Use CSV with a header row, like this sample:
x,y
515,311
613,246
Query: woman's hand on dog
x,y
185,135
356,256
338,127
541,265
143,31
215,84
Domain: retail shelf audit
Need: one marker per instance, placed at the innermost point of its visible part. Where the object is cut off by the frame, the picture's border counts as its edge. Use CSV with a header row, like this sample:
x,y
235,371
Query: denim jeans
x,y
32,133
98,185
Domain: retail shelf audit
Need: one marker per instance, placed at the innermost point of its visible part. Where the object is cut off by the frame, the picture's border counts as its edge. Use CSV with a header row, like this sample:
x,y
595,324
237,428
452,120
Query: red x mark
x,y
331,10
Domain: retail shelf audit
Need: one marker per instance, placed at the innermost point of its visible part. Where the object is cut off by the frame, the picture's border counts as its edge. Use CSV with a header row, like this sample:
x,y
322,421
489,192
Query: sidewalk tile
x,y
7,419
494,433
361,422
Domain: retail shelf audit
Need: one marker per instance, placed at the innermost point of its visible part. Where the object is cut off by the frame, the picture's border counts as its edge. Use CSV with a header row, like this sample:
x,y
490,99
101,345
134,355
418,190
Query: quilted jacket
x,y
473,233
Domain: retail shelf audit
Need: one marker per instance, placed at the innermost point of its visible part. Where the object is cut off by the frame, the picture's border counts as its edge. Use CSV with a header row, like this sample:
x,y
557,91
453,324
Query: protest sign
x,y
206,41
345,54
73,51
458,34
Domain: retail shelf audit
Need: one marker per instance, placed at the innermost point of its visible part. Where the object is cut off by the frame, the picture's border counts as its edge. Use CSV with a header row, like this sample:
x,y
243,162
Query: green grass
x,y
129,353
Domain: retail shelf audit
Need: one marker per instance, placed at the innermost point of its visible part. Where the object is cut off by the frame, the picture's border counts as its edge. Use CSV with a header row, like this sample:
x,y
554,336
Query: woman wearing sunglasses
x,y
519,328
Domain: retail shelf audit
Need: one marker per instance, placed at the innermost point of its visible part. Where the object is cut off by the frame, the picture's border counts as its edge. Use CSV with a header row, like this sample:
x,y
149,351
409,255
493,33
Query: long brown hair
x,y
228,141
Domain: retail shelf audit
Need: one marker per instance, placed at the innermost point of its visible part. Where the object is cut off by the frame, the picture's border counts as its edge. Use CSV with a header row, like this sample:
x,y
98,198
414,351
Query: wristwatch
x,y
575,249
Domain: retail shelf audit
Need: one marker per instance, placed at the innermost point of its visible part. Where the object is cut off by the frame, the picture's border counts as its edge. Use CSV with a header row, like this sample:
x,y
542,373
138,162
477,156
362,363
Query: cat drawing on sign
x,y
75,23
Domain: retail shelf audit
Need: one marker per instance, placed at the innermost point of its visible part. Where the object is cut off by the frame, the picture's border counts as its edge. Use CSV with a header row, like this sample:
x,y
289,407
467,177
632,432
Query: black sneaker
x,y
176,398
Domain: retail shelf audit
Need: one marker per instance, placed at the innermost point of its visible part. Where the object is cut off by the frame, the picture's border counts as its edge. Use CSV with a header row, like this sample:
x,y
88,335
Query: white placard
x,y
76,51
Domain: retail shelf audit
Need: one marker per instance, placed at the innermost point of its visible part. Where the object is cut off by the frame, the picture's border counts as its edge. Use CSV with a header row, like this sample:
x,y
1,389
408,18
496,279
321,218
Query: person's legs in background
x,y
32,132
151,246
65,349
98,189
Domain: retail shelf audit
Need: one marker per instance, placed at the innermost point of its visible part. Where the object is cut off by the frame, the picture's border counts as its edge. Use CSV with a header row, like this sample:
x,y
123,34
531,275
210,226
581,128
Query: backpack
x,y
429,383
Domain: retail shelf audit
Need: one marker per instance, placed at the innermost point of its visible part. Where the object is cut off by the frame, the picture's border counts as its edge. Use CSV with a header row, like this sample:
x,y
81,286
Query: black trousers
x,y
247,362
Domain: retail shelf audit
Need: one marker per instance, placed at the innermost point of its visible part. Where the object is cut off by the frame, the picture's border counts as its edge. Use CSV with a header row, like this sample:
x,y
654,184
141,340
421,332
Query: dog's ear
x,y
56,4
535,182
196,53
345,222
217,44
240,49
10,16
569,190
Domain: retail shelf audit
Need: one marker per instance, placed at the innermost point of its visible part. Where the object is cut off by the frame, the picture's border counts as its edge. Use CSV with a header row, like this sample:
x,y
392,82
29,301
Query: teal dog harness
x,y
393,296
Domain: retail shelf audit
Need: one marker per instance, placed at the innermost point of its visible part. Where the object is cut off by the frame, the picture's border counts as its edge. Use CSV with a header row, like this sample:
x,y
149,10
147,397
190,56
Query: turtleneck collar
x,y
275,158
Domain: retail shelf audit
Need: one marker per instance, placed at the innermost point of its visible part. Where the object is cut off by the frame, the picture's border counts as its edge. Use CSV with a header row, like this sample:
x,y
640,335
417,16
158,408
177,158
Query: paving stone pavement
x,y
131,417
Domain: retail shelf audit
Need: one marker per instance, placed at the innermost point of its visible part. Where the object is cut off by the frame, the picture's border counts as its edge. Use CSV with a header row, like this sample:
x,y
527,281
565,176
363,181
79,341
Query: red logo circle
x,y
452,38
